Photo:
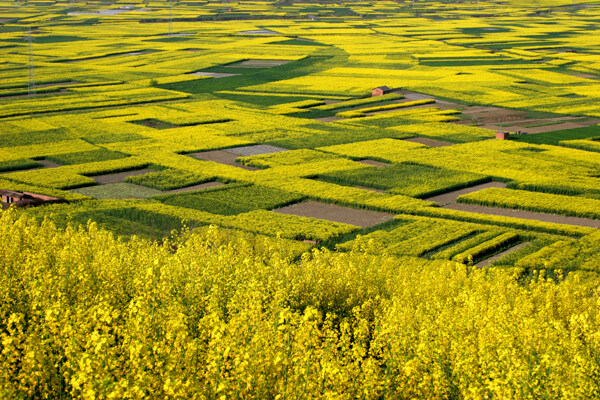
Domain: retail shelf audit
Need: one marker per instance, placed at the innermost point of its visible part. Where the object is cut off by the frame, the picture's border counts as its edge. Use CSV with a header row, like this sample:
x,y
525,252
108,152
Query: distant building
x,y
380,91
22,199
502,135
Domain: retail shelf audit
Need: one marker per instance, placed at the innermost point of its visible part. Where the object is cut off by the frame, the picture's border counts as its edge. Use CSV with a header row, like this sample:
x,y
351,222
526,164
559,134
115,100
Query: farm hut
x,y
502,135
9,196
22,199
380,91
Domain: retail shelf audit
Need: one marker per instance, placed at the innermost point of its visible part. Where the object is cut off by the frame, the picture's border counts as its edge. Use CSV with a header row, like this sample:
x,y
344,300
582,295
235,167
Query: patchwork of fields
x,y
258,117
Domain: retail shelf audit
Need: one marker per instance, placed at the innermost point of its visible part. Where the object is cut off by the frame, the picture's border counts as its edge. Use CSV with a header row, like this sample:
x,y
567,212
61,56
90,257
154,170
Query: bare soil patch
x,y
328,119
48,164
131,53
120,176
370,189
429,142
448,200
255,150
373,163
221,157
568,124
492,115
154,123
258,64
332,212
489,260
450,197
536,216
213,74
200,186
585,76
259,32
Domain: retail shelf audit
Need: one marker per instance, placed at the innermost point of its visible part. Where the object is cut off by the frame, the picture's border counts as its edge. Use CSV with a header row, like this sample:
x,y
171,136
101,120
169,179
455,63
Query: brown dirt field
x,y
48,164
200,186
255,150
537,216
328,119
491,115
429,142
448,200
258,64
133,53
489,260
154,123
332,212
120,176
586,76
373,163
450,197
221,157
213,74
370,188
546,128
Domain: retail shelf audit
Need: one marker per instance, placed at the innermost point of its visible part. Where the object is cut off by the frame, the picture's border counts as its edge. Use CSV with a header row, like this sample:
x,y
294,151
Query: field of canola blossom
x,y
244,219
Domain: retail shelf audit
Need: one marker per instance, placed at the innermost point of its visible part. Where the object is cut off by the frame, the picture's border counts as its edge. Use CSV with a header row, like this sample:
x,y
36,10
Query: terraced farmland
x,y
165,122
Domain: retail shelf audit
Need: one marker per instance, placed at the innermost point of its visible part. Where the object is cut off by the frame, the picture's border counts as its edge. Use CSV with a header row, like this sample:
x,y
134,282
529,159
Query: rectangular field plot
x,y
332,212
418,238
406,179
168,179
232,199
255,150
121,190
120,176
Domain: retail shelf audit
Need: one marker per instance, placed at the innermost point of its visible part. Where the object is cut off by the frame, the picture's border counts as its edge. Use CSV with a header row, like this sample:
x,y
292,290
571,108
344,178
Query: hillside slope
x,y
210,315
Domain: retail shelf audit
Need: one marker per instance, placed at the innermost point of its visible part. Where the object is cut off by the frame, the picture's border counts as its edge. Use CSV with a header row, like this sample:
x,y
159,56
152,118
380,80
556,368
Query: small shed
x,y
10,196
22,199
502,135
380,91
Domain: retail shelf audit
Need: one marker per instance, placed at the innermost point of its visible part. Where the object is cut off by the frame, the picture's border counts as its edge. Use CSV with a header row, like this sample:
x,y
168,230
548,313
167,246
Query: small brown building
x,y
22,199
502,135
380,91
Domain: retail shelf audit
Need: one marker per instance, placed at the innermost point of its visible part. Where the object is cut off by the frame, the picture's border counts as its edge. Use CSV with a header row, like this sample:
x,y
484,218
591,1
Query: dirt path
x,y
536,216
448,200
429,142
488,261
450,197
332,212
569,123
373,163
370,188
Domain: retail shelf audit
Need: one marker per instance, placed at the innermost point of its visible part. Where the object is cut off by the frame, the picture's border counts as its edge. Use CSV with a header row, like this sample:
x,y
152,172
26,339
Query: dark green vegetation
x,y
232,199
555,137
407,179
